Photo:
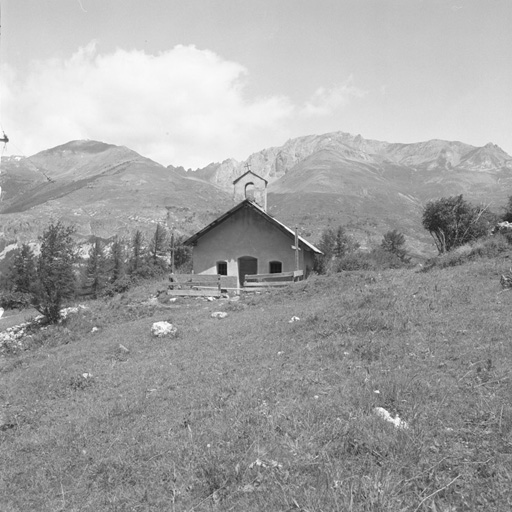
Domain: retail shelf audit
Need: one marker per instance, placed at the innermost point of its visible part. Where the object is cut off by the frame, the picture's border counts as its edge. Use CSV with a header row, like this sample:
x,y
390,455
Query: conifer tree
x,y
95,275
334,244
22,274
116,260
55,280
158,243
394,243
137,256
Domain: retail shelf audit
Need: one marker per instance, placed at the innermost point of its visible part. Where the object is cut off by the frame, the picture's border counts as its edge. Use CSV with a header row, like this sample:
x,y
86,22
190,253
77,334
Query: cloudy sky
x,y
188,82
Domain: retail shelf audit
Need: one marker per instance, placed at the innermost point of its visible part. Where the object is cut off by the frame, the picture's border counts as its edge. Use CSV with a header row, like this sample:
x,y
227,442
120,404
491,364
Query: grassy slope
x,y
254,413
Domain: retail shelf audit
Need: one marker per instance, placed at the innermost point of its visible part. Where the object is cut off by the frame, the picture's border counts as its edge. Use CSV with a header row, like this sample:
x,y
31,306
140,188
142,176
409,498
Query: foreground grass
x,y
254,413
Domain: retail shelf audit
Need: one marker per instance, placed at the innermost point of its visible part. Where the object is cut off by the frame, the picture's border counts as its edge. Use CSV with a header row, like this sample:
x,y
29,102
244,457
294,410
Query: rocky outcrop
x,y
433,155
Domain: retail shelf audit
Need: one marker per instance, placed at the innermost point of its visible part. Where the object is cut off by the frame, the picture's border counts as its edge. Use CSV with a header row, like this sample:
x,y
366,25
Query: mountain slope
x,y
433,155
372,186
315,181
103,189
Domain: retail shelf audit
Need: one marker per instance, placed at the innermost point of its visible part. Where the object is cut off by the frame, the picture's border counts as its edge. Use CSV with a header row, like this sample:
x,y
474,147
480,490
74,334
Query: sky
x,y
190,82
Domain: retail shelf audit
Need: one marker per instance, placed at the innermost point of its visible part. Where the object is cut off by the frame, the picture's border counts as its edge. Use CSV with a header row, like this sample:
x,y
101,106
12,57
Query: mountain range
x,y
315,182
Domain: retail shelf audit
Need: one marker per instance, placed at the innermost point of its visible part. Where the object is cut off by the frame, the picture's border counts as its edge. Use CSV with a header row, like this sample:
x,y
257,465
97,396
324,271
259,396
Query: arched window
x,y
222,268
275,267
249,191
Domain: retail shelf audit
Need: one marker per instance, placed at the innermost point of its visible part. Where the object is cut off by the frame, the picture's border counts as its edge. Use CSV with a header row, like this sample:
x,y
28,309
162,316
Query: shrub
x,y
182,255
394,243
453,222
120,285
376,259
384,259
490,247
335,245
354,261
15,300
507,216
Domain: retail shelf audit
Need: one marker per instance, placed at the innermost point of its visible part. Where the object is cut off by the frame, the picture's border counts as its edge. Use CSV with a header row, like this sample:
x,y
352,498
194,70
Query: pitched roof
x,y
251,204
249,172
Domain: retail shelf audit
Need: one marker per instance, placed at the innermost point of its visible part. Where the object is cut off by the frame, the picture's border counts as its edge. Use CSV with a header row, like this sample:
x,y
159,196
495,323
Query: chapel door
x,y
246,265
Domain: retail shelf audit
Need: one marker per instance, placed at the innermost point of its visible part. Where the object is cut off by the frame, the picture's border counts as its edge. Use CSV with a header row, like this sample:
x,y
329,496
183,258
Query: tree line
x,y
57,273
341,252
451,221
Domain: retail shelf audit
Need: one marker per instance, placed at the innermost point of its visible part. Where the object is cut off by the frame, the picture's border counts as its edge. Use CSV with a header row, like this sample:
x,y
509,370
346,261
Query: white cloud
x,y
184,106
325,101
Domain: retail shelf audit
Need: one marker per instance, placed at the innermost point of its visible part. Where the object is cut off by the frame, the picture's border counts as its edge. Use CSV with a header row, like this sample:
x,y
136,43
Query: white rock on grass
x,y
294,319
64,313
401,424
163,329
219,314
16,333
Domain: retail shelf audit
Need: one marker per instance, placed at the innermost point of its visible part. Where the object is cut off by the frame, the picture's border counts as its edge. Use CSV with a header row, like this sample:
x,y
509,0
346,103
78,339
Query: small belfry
x,y
252,187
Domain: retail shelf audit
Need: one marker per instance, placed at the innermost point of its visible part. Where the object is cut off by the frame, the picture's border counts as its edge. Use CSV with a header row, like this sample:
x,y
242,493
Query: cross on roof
x,y
247,166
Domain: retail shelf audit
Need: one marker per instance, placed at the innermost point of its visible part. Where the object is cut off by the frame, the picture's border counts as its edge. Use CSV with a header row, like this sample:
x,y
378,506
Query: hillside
x,y
315,182
371,186
257,412
104,190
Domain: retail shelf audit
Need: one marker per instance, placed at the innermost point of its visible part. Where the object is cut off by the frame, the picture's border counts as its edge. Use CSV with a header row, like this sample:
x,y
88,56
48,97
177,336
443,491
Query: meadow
x,y
255,412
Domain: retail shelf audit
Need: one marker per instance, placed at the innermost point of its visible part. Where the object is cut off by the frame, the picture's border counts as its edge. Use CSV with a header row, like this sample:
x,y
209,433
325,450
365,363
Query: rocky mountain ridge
x,y
315,181
273,163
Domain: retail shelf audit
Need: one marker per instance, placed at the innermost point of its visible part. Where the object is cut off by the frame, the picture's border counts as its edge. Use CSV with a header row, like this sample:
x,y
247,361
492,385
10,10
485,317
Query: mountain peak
x,y
81,146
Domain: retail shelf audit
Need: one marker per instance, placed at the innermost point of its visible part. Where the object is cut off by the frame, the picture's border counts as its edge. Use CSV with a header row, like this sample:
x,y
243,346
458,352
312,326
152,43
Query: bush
x,y
453,222
354,261
507,216
384,259
335,245
376,259
15,300
490,247
393,242
182,256
120,285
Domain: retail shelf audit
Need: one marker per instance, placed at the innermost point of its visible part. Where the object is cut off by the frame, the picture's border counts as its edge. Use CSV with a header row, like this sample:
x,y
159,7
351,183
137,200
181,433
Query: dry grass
x,y
254,413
